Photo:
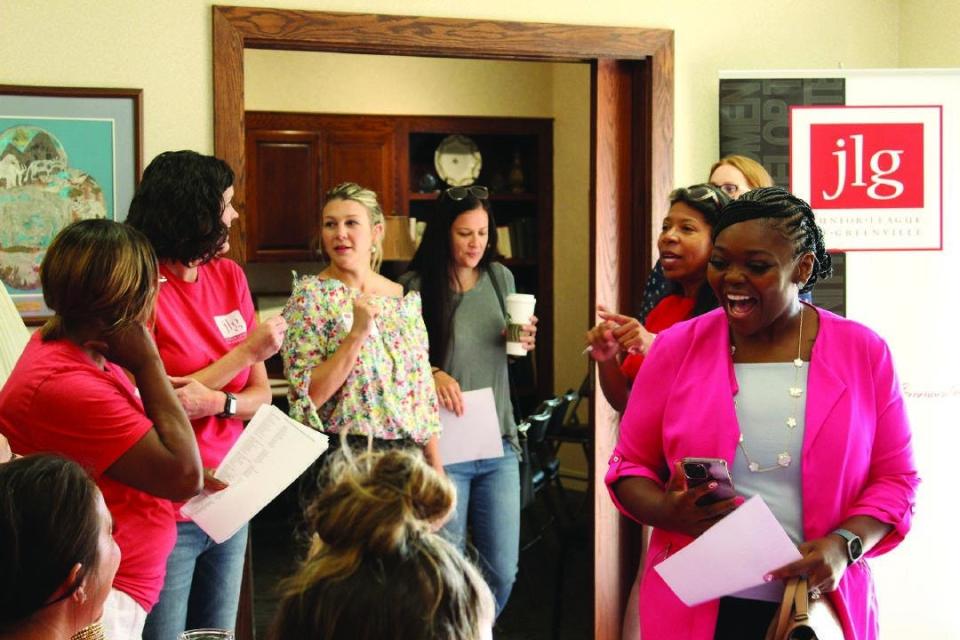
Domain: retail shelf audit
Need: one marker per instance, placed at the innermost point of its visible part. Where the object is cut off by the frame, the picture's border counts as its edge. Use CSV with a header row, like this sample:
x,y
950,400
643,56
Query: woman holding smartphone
x,y
805,408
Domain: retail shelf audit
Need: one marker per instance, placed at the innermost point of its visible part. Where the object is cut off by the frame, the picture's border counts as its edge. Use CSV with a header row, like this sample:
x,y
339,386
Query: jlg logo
x,y
866,166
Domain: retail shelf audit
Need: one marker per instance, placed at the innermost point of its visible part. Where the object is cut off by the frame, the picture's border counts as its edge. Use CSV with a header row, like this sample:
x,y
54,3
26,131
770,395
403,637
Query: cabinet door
x,y
363,151
283,195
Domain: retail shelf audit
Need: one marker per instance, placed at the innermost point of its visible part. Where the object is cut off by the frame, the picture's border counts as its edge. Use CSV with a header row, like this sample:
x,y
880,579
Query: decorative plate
x,y
457,160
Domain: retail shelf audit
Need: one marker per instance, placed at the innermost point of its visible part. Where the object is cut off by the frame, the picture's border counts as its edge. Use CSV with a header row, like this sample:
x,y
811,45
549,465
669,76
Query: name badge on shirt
x,y
231,325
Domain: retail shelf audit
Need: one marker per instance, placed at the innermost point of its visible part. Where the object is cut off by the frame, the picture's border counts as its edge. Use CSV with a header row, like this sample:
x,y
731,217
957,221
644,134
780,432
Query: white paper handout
x,y
270,454
731,556
476,434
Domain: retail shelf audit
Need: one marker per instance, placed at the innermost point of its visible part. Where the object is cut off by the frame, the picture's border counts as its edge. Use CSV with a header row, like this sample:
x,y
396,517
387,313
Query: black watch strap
x,y
229,406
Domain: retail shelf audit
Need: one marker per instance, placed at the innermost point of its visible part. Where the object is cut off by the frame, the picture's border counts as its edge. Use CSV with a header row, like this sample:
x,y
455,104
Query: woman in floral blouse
x,y
356,348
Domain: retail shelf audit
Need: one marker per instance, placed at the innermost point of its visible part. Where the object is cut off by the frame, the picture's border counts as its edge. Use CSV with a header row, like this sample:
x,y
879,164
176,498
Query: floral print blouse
x,y
390,392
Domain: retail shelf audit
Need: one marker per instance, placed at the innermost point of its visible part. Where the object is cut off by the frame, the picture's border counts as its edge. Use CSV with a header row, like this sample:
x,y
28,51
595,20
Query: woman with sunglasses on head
x,y
54,582
732,174
356,348
803,405
463,289
684,246
206,331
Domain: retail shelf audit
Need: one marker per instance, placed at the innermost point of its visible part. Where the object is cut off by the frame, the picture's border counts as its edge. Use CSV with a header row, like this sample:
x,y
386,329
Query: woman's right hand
x,y
266,338
603,345
629,333
448,392
679,511
364,316
130,345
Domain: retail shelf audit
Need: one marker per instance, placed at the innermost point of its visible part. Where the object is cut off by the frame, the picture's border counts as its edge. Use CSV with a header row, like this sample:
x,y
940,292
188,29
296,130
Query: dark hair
x,y
97,271
376,569
48,523
709,201
432,263
791,216
179,205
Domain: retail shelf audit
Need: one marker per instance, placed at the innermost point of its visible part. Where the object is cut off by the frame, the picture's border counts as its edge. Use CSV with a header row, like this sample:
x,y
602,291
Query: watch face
x,y
856,549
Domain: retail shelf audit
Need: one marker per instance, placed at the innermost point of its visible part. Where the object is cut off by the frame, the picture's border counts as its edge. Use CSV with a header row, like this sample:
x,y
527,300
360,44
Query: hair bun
x,y
378,501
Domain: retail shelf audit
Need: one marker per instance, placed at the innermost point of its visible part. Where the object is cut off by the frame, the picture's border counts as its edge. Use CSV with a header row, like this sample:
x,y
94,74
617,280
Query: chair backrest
x,y
537,423
561,406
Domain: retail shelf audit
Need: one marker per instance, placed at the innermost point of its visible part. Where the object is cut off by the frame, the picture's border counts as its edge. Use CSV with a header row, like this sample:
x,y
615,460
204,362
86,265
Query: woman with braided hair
x,y
377,568
803,405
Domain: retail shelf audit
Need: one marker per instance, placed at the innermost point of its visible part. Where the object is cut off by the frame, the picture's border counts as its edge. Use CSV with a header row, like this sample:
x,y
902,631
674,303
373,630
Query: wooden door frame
x,y
631,161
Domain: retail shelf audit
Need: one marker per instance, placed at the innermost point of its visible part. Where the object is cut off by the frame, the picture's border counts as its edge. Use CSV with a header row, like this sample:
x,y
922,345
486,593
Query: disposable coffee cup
x,y
206,634
519,311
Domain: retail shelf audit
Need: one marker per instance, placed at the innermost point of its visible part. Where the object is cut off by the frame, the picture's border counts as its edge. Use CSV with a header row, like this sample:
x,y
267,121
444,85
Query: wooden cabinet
x,y
293,158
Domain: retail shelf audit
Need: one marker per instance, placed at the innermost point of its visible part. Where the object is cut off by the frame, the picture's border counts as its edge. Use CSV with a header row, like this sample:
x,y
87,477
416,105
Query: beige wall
x,y
164,47
929,33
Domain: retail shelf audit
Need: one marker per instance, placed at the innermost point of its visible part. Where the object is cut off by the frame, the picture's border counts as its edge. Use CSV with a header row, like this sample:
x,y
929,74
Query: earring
x,y
373,249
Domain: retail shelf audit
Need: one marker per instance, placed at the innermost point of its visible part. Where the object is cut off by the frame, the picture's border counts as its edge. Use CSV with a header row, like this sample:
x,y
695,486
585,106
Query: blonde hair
x,y
752,170
375,551
97,271
367,198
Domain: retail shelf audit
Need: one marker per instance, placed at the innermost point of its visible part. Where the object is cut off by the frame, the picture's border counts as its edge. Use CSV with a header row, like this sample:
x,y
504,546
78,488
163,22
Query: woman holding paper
x,y
206,332
356,349
69,395
803,405
463,293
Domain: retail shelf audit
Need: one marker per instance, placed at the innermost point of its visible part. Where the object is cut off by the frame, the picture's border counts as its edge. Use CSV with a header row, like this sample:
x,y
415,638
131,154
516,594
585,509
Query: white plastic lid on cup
x,y
206,634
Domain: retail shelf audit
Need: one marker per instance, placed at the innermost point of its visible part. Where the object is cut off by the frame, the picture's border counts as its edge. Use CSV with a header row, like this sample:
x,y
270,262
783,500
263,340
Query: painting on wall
x,y
66,154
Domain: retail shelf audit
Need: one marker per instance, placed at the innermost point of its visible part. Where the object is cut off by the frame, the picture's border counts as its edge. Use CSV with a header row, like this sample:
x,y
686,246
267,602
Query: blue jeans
x,y
202,586
488,499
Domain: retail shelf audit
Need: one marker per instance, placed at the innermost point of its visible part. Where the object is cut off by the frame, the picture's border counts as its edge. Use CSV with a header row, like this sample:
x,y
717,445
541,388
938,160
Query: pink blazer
x,y
856,458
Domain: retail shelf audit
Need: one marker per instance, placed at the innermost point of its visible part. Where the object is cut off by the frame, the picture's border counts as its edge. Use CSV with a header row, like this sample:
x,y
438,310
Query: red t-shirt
x,y
58,401
197,324
668,312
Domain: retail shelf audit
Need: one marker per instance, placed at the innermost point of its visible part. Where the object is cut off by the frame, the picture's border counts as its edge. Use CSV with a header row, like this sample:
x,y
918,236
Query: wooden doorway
x,y
631,162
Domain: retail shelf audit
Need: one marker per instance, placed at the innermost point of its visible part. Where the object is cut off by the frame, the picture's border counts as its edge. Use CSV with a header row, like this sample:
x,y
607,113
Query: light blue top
x,y
763,405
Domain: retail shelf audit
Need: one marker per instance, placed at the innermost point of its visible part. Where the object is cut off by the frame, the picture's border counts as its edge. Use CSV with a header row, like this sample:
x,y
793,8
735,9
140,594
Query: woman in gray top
x,y
460,285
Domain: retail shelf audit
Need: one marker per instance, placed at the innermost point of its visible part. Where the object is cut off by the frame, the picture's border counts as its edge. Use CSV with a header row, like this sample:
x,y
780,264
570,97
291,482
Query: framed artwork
x,y
65,154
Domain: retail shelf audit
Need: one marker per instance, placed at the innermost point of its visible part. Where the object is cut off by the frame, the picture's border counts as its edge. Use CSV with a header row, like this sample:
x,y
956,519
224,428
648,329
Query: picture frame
x,y
66,153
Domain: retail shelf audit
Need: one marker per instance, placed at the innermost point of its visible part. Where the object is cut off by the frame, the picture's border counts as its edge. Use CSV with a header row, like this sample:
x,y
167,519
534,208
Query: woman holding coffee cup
x,y
467,300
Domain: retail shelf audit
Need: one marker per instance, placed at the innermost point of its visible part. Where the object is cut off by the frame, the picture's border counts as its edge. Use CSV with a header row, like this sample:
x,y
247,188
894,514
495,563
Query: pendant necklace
x,y
784,459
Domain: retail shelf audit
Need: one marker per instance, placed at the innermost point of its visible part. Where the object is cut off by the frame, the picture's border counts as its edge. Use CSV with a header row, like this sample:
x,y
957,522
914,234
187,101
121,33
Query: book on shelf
x,y
523,233
504,246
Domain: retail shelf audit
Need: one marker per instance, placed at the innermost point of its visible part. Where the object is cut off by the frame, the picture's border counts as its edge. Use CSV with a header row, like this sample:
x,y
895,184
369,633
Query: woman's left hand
x,y
824,563
528,339
197,400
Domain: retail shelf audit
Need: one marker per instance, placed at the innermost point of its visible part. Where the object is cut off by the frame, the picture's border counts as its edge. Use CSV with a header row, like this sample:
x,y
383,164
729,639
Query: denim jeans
x,y
488,500
202,586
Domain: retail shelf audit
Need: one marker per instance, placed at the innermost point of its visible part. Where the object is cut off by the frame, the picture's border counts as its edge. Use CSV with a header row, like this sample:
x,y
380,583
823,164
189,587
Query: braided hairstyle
x,y
789,215
376,568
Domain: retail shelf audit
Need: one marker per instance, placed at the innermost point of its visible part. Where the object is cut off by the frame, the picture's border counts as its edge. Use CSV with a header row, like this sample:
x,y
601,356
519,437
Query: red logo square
x,y
866,166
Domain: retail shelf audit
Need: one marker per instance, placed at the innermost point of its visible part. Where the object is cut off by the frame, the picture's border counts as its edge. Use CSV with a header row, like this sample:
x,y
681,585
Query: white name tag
x,y
231,325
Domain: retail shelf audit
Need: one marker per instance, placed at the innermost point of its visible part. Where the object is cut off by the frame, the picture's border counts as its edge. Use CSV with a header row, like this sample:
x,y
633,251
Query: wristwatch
x,y
229,406
854,544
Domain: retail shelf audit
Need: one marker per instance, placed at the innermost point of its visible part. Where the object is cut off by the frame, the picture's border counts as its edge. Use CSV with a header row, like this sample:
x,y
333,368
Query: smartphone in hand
x,y
702,470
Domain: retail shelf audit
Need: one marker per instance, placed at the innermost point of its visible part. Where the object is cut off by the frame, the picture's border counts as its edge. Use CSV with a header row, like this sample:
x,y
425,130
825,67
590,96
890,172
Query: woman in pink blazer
x,y
803,405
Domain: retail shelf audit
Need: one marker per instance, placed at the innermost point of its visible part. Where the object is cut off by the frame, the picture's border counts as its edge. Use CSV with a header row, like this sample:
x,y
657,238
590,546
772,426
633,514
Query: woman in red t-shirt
x,y
684,246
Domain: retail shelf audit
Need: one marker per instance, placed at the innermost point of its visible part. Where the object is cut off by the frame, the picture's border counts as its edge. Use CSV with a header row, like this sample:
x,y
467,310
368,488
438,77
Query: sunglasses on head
x,y
459,193
703,194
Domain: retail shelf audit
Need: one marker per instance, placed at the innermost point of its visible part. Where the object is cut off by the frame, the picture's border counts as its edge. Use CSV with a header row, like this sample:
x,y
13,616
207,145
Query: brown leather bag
x,y
801,618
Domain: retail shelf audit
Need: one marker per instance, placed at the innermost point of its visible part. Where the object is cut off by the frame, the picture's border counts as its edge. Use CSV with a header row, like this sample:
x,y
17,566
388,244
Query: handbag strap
x,y
498,291
786,608
801,605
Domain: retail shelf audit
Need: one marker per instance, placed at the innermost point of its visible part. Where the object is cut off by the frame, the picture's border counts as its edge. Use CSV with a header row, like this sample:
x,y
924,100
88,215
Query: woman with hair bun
x,y
377,568
803,405
69,394
53,585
